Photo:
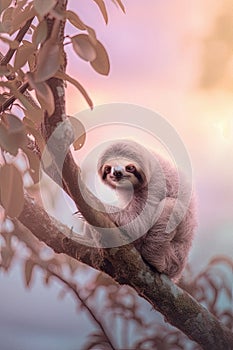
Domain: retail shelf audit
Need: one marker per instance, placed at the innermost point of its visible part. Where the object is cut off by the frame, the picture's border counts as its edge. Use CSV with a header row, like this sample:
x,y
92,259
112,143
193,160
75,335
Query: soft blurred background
x,y
173,57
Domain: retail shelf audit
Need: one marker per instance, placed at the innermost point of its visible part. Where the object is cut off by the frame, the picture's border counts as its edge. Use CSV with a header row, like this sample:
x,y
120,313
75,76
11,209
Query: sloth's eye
x,y
107,169
130,168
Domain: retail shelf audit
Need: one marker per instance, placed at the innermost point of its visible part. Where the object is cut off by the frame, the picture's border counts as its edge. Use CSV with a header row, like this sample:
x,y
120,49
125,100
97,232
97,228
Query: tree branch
x,y
127,267
63,163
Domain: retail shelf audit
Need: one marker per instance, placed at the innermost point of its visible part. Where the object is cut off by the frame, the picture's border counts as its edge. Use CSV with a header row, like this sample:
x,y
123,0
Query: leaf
x,y
32,61
11,190
43,93
40,33
2,28
4,4
28,271
74,19
5,142
19,7
101,64
83,47
92,35
27,43
43,7
14,44
36,116
45,97
12,134
64,76
7,15
48,61
78,143
72,263
19,19
119,2
47,277
7,255
35,113
96,340
34,163
31,129
14,123
79,133
104,280
102,8
22,54
6,72
7,20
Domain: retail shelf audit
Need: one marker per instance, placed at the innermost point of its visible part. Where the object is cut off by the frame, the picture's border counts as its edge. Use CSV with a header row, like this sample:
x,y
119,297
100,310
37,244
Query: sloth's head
x,y
121,173
121,167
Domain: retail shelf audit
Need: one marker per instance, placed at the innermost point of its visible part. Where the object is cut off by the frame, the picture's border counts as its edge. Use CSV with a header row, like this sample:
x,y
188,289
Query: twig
x,y
18,38
6,59
11,99
28,238
90,311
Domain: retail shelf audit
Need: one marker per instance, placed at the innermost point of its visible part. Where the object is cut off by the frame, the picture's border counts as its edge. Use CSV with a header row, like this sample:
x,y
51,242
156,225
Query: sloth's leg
x,y
167,252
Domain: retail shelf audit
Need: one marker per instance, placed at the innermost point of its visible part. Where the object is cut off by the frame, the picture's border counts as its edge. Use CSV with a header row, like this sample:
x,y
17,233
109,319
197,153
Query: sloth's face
x,y
121,173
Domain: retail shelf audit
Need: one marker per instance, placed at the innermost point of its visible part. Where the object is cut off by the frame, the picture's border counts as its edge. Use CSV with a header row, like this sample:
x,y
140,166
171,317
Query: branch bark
x,y
125,265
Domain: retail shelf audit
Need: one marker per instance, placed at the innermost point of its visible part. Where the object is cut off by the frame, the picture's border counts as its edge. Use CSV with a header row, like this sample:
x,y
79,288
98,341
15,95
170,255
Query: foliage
x,y
29,64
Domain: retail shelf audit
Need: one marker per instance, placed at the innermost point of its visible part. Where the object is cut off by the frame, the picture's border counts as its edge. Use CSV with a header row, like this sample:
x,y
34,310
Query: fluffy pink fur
x,y
160,218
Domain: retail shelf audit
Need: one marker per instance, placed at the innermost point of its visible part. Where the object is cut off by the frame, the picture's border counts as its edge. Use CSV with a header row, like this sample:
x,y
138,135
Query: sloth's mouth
x,y
119,178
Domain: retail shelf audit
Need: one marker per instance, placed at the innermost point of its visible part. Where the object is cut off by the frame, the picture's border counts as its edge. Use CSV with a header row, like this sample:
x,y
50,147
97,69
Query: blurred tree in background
x,y
217,51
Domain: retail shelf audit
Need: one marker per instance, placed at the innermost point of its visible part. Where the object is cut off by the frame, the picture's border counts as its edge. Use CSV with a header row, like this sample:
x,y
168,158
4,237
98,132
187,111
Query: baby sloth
x,y
156,205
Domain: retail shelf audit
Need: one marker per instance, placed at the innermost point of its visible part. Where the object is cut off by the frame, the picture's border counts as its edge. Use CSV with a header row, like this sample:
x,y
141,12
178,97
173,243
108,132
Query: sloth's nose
x,y
117,172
